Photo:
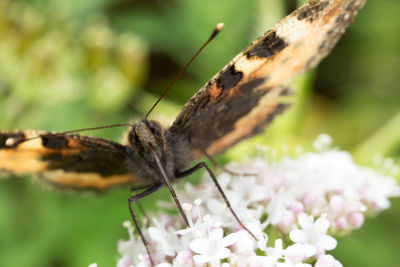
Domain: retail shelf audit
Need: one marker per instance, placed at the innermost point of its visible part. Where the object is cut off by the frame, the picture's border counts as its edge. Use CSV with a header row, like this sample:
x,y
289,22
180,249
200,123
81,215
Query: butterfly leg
x,y
221,191
139,203
143,212
131,200
171,189
217,165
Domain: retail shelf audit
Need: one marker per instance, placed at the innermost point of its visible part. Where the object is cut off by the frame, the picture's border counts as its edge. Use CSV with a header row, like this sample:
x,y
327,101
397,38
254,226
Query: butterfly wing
x,y
66,161
245,95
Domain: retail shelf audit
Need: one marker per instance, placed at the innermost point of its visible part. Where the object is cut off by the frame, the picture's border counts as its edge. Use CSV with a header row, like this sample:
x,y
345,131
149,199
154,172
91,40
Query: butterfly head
x,y
147,136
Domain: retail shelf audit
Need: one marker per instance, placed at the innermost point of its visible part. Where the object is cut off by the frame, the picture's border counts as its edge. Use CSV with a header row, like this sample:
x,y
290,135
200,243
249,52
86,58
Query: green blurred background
x,y
74,64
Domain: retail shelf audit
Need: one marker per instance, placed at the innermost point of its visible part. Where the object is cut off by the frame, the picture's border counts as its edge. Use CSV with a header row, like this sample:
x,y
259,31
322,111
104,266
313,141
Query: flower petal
x,y
327,261
216,233
309,250
322,224
298,236
327,242
199,245
304,220
222,253
229,239
201,258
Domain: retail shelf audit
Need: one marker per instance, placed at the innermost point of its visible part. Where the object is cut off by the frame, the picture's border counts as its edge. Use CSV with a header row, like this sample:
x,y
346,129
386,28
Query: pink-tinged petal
x,y
295,253
164,264
201,258
199,245
184,258
229,239
297,207
356,219
310,198
124,262
341,223
326,242
322,224
297,236
327,261
288,218
336,203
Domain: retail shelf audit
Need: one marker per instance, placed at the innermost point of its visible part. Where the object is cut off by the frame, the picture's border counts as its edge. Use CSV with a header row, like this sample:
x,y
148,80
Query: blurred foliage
x,y
76,64
64,66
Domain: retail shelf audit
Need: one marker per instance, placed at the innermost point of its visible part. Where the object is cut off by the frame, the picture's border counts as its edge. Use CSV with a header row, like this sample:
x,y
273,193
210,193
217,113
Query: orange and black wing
x,y
245,95
66,161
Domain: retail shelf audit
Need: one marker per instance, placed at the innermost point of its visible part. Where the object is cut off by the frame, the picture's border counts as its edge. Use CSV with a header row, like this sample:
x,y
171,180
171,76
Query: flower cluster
x,y
293,206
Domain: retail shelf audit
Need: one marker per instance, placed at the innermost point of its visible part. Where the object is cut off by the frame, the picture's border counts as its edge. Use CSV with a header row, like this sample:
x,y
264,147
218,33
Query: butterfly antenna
x,y
16,140
94,128
217,29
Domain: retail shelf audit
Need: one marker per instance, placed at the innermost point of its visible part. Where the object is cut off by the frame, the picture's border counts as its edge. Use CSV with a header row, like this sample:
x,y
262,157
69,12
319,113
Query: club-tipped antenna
x,y
217,29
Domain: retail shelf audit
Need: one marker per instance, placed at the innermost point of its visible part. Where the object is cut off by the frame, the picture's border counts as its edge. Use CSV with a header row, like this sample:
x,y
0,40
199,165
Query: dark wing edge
x,y
65,161
244,97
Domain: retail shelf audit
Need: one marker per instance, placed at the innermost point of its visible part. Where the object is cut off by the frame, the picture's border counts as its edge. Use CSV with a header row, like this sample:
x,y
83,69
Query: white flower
x,y
184,258
356,219
245,244
203,224
164,238
252,261
124,262
279,257
295,253
327,261
276,207
213,248
283,199
337,203
277,252
289,264
322,142
313,235
248,189
132,250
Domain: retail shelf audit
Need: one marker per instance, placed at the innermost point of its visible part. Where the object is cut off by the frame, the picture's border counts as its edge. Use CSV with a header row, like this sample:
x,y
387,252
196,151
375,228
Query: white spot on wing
x,y
293,30
248,66
10,141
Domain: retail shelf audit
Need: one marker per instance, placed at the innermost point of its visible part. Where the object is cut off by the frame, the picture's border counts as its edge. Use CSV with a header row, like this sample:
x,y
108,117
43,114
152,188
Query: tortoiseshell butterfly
x,y
238,102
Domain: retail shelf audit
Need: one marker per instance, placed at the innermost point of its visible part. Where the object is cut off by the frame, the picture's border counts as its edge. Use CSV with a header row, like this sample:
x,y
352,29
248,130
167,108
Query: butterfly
x,y
237,103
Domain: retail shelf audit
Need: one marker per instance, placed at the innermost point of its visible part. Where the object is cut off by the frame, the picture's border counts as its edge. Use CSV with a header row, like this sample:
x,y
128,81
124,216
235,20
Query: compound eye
x,y
132,136
155,128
